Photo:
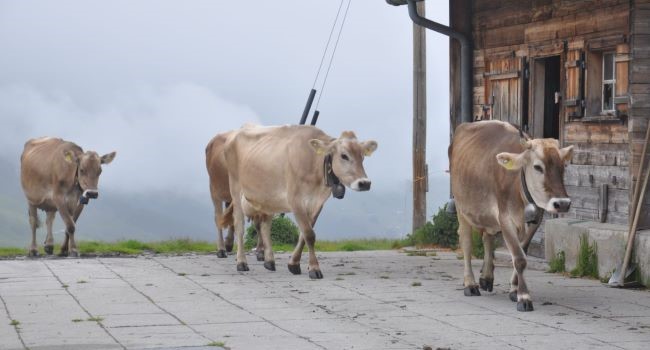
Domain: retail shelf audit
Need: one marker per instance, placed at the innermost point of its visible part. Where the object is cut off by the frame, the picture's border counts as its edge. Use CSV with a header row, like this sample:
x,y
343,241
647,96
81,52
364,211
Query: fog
x,y
155,80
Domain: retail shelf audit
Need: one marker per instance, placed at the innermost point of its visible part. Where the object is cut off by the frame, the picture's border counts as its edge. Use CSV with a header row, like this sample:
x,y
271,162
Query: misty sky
x,y
155,80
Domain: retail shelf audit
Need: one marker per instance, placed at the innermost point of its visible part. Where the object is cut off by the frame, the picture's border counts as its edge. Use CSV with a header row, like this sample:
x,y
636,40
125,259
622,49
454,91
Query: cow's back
x,y
269,162
481,187
44,169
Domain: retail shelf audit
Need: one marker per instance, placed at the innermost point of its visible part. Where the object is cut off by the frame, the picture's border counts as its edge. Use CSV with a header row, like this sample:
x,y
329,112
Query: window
x,y
609,82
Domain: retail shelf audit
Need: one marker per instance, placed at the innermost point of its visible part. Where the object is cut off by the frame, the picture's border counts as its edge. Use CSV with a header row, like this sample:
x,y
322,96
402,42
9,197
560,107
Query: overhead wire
x,y
336,44
329,39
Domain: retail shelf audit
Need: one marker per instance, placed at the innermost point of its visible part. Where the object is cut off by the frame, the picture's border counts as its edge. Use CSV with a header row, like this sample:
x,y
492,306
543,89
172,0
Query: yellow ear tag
x,y
68,157
320,151
508,164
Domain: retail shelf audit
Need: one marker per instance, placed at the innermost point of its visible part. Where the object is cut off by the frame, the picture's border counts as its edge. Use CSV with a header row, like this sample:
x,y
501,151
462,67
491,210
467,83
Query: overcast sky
x,y
155,80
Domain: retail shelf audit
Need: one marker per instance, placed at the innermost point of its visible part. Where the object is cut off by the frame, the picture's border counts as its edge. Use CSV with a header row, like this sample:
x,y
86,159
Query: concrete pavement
x,y
367,300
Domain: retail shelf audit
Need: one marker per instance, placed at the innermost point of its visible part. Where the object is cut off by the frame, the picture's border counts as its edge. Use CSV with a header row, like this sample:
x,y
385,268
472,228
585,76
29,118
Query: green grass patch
x,y
416,284
587,261
180,246
77,320
14,323
95,319
12,251
216,343
557,263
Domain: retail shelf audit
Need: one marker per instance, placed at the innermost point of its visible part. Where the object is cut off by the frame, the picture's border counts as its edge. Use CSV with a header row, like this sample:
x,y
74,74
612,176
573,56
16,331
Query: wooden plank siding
x,y
508,33
639,92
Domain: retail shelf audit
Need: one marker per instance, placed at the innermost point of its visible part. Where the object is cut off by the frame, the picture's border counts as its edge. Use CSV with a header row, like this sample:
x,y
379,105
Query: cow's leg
x,y
465,234
218,212
69,246
230,239
294,263
259,250
49,239
265,233
33,223
304,222
238,217
486,281
524,301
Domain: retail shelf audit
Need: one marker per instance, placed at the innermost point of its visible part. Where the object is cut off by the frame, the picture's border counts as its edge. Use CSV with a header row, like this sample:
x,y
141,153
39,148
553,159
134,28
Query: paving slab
x,y
367,300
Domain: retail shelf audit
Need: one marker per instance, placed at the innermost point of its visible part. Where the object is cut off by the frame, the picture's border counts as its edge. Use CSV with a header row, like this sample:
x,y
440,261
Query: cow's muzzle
x,y
90,194
558,205
361,185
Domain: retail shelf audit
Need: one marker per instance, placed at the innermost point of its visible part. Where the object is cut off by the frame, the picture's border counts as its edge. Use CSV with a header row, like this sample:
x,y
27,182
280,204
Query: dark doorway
x,y
546,84
551,105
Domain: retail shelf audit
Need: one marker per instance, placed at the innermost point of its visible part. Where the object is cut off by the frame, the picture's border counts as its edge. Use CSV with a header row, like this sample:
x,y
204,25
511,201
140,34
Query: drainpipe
x,y
465,55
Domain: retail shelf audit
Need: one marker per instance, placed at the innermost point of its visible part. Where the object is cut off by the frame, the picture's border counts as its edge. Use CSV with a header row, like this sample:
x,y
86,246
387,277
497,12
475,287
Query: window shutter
x,y
574,101
503,89
621,96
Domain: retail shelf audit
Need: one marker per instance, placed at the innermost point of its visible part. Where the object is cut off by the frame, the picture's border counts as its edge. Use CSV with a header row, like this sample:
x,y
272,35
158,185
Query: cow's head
x,y
89,167
347,158
543,163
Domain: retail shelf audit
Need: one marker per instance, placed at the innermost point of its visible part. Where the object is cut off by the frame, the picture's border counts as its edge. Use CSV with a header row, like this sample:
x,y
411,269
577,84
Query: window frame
x,y
611,82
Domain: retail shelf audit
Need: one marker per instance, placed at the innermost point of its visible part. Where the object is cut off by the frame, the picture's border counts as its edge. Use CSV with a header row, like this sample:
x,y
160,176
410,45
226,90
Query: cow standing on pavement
x,y
57,175
294,169
215,162
495,172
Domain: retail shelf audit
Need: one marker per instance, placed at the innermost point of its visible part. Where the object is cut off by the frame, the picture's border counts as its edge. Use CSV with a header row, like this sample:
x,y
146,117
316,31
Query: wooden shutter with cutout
x,y
574,100
621,96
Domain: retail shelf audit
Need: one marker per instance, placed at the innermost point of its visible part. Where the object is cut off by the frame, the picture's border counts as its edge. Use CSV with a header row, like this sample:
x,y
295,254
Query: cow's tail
x,y
227,219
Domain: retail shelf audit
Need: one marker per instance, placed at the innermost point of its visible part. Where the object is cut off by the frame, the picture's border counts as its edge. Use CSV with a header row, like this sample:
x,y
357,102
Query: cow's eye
x,y
345,157
539,168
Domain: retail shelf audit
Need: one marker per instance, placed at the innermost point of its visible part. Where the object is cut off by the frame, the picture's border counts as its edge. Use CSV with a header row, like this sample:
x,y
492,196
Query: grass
x,y
77,320
587,261
14,323
180,246
216,343
558,263
95,319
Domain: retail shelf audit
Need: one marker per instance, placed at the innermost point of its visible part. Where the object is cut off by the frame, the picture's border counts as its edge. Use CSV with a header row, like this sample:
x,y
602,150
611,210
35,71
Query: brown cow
x,y
57,175
495,172
215,162
290,169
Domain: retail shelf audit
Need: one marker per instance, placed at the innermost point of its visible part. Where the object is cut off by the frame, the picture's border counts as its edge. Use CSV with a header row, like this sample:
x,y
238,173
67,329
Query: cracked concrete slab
x,y
367,300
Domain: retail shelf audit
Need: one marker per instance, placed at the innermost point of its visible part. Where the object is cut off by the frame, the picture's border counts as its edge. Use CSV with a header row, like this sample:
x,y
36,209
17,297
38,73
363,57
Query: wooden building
x,y
578,71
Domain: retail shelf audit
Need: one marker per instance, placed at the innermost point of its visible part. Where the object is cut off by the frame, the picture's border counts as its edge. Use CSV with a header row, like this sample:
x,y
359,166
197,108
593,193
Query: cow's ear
x,y
566,153
320,146
107,158
369,147
69,156
511,161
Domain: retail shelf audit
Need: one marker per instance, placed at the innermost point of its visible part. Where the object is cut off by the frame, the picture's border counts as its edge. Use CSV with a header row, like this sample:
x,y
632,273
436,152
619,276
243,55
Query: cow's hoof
x,y
242,267
73,254
525,305
471,291
49,249
228,247
513,296
260,255
33,253
295,269
221,253
486,284
269,265
315,274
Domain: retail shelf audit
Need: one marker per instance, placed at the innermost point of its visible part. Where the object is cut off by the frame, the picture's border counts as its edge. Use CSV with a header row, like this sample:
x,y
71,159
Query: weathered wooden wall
x,y
639,89
510,34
